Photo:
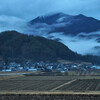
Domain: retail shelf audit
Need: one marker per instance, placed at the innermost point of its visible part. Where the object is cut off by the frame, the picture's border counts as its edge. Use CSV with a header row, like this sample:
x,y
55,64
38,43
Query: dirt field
x,y
50,88
51,83
82,85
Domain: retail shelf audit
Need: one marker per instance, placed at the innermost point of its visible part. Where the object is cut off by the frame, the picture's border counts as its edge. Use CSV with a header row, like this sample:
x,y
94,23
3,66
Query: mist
x,y
78,44
83,43
11,23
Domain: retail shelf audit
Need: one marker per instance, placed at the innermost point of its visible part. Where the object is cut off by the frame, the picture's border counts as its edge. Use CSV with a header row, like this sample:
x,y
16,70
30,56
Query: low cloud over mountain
x,y
78,32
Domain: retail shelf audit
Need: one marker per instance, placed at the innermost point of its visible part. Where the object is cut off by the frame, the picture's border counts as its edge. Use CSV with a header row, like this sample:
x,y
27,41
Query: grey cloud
x,y
29,9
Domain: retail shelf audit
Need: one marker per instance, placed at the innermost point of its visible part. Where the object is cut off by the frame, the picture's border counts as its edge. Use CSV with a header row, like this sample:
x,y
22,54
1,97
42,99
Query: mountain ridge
x,y
17,45
73,24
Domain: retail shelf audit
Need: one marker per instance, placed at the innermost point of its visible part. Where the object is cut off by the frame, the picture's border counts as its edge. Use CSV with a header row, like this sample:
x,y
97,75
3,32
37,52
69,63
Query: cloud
x,y
82,46
41,28
11,23
29,9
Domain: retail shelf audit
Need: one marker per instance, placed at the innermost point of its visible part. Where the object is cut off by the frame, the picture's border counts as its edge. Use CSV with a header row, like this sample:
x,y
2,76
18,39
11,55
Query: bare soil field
x,y
82,85
34,85
50,88
51,83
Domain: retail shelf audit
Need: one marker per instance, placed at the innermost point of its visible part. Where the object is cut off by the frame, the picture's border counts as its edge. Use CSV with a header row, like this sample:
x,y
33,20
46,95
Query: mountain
x,y
51,19
67,24
20,47
16,45
72,31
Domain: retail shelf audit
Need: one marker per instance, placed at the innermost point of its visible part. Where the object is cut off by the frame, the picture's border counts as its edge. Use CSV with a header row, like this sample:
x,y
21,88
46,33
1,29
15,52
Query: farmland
x,y
51,88
29,85
51,83
35,83
83,85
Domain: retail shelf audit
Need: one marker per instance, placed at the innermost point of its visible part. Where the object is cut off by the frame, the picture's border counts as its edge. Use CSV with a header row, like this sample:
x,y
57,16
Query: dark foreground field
x,y
49,97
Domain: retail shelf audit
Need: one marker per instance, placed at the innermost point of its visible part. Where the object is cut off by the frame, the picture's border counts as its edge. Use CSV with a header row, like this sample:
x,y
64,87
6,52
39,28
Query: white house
x,y
32,69
6,70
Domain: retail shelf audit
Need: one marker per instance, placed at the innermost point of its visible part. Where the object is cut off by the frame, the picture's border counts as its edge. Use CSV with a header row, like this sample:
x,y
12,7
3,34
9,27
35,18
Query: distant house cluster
x,y
47,67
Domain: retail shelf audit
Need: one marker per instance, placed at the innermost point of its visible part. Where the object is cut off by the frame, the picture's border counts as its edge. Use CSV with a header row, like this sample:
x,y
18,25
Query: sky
x,y
29,9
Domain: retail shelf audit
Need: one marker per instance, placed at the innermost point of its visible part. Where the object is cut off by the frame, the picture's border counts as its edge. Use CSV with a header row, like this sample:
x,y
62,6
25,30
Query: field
x,y
83,85
50,88
35,83
50,83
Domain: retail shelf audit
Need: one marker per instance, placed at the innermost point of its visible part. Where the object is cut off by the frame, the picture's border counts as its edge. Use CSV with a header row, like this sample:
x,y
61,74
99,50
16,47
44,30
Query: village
x,y
41,66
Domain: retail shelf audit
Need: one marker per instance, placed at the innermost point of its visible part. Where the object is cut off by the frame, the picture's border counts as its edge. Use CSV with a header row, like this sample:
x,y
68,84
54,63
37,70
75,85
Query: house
x,y
62,71
32,69
20,68
50,67
6,70
59,68
95,67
